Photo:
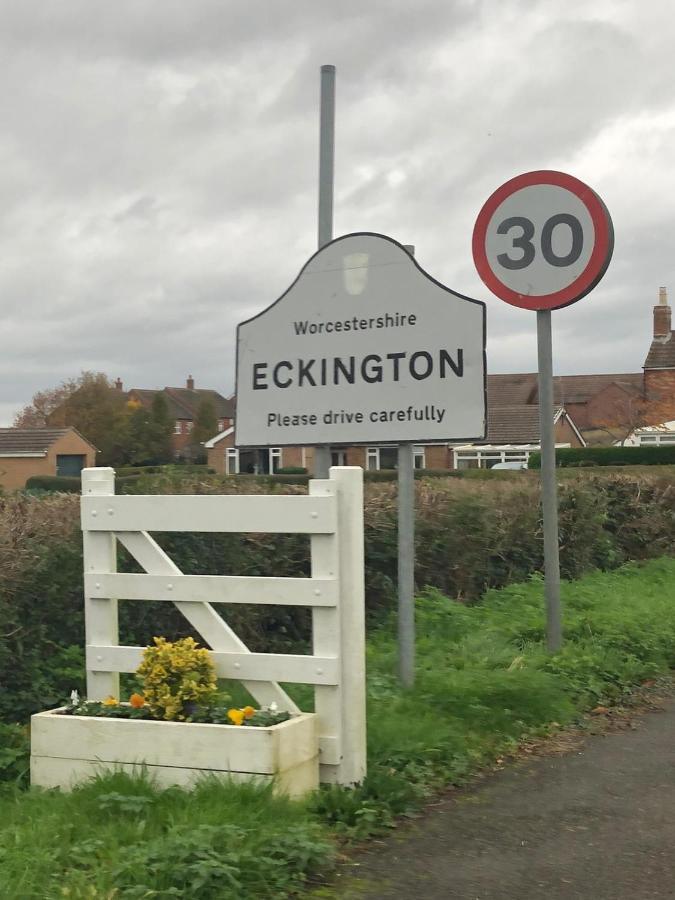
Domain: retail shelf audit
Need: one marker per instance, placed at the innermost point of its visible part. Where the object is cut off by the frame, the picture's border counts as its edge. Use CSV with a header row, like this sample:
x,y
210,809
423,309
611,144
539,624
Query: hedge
x,y
609,456
63,484
470,536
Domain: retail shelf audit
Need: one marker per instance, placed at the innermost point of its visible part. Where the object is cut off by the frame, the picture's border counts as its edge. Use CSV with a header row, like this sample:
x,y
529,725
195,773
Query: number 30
x,y
524,241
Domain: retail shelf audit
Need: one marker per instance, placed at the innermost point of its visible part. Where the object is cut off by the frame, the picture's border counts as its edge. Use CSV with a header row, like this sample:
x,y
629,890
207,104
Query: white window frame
x,y
274,460
373,456
178,427
231,461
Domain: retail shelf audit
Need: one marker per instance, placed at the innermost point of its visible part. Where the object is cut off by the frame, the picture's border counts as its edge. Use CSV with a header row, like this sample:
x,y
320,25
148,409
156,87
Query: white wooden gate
x,y
332,515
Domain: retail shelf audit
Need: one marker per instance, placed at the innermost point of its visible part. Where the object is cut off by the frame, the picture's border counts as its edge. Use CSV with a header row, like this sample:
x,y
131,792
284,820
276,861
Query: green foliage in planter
x,y
609,456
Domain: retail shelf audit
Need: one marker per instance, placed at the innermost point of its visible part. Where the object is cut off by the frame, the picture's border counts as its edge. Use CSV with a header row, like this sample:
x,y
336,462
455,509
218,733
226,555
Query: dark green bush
x,y
470,536
292,470
609,456
60,484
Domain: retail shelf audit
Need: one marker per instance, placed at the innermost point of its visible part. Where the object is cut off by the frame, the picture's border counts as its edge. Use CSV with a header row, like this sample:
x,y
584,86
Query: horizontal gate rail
x,y
252,666
214,589
222,513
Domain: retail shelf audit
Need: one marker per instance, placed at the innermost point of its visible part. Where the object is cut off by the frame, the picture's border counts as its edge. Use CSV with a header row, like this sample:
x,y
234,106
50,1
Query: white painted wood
x,y
213,628
223,513
332,514
51,772
99,555
215,589
352,650
326,642
239,666
66,749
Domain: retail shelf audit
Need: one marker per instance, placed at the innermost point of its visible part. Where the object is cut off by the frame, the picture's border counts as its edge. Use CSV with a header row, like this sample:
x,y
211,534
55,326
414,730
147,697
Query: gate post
x,y
351,608
339,631
99,552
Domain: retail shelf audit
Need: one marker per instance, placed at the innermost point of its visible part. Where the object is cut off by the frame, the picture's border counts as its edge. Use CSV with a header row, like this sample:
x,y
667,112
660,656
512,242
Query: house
x,y
588,409
183,404
512,435
25,452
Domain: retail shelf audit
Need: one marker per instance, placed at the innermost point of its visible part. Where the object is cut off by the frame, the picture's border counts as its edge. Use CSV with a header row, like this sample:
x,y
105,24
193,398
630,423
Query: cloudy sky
x,y
158,166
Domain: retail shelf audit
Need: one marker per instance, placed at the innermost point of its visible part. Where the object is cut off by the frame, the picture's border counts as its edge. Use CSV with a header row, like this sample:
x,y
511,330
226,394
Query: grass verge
x,y
484,683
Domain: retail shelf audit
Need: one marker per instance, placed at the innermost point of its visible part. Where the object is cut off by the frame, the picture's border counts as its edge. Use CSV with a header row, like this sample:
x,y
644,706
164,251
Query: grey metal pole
x,y
326,180
549,495
406,565
406,557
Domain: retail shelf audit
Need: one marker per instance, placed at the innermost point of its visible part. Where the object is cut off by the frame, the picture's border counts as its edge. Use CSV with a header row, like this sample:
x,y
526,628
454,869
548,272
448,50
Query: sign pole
x,y
542,241
326,180
406,557
549,495
406,565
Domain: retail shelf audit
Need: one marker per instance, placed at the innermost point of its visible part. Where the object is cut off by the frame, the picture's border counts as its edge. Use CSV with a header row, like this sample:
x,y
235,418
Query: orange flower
x,y
236,716
137,701
248,712
110,701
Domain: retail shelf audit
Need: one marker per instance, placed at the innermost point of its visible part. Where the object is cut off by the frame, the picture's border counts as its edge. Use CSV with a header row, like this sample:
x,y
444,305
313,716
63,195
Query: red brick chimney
x,y
118,384
191,381
662,318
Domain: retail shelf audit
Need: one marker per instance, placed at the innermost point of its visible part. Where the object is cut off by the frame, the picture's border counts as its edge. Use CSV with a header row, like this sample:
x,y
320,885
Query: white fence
x,y
332,515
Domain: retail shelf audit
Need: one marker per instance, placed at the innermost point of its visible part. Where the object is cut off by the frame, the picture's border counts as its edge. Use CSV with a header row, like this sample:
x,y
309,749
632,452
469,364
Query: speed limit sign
x,y
543,240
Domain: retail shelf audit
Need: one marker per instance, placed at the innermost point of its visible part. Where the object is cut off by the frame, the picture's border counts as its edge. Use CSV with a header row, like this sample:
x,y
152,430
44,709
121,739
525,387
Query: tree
x,y
630,412
44,404
91,404
162,429
206,421
204,427
100,413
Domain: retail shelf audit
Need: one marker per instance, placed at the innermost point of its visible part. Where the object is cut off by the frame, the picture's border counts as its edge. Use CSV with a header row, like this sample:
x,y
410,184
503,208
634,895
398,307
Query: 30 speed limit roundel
x,y
543,240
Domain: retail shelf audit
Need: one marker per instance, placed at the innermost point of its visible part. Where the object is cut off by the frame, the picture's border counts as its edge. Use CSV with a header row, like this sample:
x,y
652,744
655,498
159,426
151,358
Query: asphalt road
x,y
597,823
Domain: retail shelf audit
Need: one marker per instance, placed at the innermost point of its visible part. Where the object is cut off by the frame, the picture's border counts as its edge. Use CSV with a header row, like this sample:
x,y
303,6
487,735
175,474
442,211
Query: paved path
x,y
595,824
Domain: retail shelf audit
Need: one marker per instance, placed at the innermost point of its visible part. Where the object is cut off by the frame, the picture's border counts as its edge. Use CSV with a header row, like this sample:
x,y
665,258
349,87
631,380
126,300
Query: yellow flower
x,y
110,701
248,712
236,716
137,701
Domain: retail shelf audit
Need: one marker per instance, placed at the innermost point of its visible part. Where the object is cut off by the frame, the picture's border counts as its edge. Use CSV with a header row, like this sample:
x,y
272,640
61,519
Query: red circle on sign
x,y
594,269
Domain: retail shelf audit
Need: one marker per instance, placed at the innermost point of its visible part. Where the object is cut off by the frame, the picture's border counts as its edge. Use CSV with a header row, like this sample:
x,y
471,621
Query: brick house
x,y
25,452
583,404
183,404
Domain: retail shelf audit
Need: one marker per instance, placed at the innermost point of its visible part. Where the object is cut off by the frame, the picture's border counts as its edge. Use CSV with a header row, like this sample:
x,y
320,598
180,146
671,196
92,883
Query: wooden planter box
x,y
66,750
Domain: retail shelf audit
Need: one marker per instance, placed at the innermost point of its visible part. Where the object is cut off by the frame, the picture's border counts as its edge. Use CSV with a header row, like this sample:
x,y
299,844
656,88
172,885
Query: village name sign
x,y
364,347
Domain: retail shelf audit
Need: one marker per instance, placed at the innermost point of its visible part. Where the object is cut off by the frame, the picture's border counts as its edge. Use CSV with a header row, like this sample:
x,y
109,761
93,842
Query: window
x,y
656,439
189,427
274,463
338,458
231,461
487,457
177,428
387,458
221,425
253,462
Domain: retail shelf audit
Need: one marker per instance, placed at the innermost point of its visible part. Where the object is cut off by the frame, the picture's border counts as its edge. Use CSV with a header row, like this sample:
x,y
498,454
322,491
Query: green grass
x,y
484,681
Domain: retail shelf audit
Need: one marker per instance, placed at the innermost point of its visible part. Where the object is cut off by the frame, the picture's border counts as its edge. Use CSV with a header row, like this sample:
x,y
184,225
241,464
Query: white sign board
x,y
364,347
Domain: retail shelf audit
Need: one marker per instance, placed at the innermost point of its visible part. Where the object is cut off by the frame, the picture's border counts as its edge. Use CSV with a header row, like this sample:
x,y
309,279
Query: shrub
x,y
60,484
609,456
175,676
291,470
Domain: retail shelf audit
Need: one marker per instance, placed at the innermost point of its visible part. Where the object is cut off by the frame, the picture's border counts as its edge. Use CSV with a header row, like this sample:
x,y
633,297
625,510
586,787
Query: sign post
x,y
542,241
365,348
325,219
